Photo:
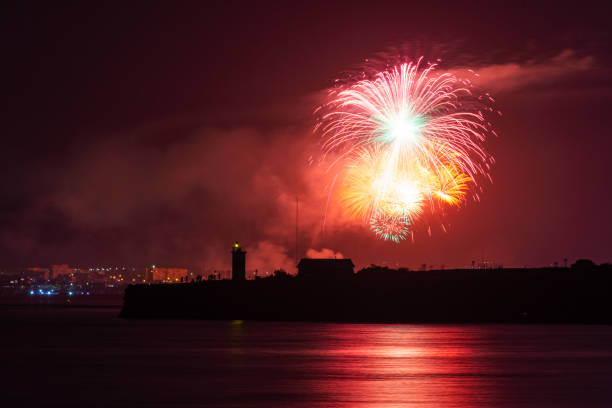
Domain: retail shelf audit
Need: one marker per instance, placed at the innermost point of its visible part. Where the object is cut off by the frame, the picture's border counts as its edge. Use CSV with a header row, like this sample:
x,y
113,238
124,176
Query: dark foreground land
x,y
548,295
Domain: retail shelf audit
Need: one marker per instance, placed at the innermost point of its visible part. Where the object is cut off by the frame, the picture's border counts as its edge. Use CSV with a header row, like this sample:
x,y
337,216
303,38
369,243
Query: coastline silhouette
x,y
323,290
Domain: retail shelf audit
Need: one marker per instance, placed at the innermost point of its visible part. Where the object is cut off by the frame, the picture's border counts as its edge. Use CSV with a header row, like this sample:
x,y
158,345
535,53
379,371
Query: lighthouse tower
x,y
238,263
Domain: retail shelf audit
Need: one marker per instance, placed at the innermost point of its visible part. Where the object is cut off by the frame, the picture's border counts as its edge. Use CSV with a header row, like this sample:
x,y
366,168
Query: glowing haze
x,y
211,138
406,142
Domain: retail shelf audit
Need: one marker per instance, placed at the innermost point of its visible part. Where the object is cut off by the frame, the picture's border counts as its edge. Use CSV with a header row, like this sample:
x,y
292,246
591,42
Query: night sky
x,y
159,133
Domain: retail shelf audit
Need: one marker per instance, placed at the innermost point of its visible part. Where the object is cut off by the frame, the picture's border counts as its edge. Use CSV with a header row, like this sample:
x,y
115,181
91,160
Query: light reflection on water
x,y
258,364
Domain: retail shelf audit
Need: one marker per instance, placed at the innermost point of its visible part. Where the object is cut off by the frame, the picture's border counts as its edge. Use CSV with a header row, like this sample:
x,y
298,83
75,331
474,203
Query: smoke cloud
x,y
324,253
514,76
179,191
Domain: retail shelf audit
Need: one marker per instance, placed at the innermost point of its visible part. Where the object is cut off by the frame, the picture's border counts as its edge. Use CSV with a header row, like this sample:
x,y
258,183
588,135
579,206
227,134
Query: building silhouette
x,y
328,269
238,263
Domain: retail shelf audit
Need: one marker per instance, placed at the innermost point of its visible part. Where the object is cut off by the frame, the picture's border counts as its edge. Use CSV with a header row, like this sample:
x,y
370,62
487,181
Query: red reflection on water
x,y
311,365
397,365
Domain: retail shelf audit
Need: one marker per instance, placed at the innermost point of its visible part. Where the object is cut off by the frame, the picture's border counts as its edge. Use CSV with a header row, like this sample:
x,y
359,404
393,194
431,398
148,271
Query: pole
x,y
296,229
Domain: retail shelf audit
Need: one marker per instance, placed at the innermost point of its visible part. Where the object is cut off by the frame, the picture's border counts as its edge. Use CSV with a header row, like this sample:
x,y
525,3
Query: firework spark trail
x,y
407,137
389,227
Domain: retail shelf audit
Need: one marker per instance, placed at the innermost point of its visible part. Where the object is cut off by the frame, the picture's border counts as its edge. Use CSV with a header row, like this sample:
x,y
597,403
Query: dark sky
x,y
160,133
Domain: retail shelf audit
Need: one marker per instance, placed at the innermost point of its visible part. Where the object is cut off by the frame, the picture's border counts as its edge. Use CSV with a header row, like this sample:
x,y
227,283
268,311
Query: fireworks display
x,y
407,141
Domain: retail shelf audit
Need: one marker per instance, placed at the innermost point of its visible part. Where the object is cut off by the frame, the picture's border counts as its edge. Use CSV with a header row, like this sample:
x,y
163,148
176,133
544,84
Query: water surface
x,y
89,357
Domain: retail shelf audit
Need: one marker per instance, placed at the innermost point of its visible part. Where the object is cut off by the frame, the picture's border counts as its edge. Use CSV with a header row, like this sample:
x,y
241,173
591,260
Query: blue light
x,y
69,293
31,292
48,292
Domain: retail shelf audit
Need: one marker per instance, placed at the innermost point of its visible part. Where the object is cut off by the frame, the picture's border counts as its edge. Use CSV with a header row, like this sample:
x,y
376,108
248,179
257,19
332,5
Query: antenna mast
x,y
296,229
